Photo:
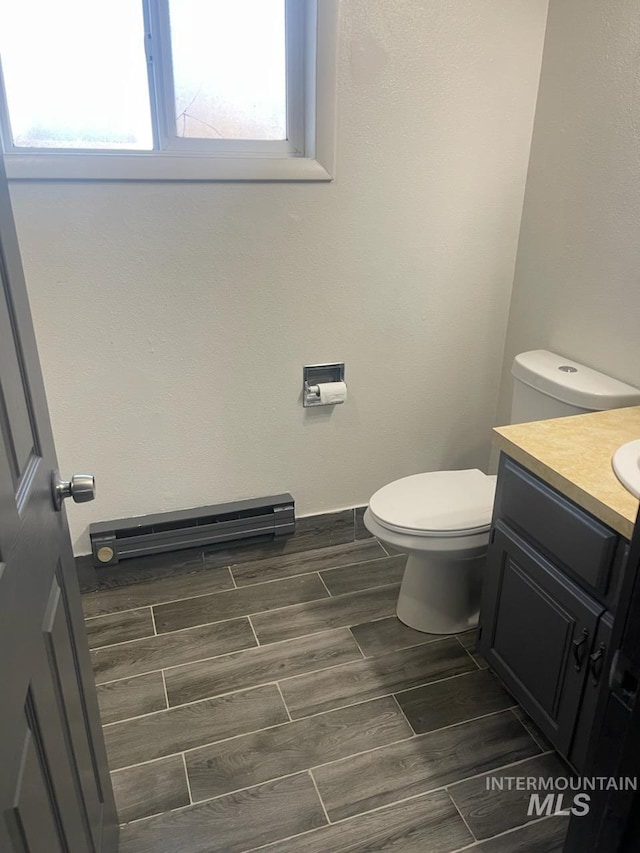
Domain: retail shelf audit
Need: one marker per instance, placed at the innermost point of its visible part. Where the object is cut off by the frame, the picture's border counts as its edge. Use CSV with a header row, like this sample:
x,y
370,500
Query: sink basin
x,y
626,464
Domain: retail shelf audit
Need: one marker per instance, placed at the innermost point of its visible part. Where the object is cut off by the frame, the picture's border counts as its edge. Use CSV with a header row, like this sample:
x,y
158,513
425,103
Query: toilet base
x,y
440,596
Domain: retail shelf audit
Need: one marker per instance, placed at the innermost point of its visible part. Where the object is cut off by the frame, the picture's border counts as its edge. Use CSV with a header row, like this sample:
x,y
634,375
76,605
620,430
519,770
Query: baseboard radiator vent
x,y
112,541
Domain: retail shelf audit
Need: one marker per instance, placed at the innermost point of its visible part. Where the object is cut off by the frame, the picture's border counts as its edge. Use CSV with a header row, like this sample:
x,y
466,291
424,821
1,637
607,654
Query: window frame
x,y
308,154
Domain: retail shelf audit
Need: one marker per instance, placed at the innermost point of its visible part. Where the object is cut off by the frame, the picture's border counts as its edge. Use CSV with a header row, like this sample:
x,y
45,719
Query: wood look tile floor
x,y
269,699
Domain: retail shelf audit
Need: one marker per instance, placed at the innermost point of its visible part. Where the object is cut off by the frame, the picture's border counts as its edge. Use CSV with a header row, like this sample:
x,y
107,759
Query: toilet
x,y
441,519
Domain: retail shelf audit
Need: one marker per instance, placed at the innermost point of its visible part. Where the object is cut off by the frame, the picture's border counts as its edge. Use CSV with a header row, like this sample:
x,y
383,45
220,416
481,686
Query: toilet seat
x,y
438,504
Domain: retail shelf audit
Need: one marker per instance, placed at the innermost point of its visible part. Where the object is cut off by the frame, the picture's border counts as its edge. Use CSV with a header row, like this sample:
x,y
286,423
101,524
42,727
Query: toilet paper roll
x,y
332,393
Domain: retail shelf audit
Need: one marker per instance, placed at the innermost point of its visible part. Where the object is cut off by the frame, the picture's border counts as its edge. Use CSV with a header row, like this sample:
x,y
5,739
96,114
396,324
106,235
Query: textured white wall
x,y
174,320
577,282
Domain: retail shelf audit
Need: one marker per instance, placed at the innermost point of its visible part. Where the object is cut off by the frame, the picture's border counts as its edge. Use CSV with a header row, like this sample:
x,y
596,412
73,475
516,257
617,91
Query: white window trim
x,y
239,162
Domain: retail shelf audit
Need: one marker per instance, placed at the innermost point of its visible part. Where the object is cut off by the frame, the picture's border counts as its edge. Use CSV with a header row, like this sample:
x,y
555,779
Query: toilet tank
x,y
547,385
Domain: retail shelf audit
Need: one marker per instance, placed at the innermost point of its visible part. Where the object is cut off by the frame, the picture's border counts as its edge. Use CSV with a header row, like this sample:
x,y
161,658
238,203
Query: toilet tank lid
x,y
571,382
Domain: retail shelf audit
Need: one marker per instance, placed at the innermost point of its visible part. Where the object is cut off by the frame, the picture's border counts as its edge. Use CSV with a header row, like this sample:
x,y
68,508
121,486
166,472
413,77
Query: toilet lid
x,y
439,503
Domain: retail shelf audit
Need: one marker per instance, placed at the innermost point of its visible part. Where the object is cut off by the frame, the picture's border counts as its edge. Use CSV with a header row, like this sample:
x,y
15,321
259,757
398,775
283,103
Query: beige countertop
x,y
574,456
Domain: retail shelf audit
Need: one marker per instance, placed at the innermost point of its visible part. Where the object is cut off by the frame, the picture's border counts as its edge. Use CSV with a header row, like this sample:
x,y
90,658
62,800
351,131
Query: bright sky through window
x,y
75,73
229,68
76,76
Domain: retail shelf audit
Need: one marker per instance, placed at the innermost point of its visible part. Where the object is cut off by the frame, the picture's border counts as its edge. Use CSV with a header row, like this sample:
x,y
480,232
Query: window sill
x,y
161,167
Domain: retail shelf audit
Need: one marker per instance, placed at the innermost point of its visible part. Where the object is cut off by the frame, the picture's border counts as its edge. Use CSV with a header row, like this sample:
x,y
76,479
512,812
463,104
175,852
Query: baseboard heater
x,y
112,541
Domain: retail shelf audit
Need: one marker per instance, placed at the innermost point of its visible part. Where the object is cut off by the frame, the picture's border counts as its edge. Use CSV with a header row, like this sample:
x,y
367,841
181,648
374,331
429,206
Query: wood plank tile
x,y
140,656
233,823
287,565
312,532
370,678
119,627
291,747
490,812
150,788
260,665
427,824
387,635
479,661
421,764
468,639
531,727
320,531
238,602
365,575
546,836
337,612
131,697
156,591
361,530
139,569
454,701
177,729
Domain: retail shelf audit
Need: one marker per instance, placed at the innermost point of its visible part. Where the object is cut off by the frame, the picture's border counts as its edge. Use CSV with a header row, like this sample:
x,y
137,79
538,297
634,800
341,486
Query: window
x,y
168,89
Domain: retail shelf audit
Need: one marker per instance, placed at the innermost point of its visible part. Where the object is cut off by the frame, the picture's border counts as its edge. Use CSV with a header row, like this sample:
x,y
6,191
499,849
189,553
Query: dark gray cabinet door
x,y
537,633
55,793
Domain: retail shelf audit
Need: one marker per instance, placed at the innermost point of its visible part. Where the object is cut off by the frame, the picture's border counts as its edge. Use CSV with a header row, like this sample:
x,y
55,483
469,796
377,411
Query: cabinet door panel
x,y
532,629
537,633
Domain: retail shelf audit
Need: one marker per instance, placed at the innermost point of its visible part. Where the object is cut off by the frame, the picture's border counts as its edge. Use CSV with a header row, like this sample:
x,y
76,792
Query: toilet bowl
x,y
441,521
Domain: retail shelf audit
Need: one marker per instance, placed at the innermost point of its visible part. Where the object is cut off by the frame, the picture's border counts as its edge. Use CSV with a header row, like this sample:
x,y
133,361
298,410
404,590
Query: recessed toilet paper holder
x,y
315,374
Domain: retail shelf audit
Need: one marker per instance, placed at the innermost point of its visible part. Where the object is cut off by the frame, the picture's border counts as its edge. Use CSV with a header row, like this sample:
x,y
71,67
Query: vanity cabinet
x,y
550,591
